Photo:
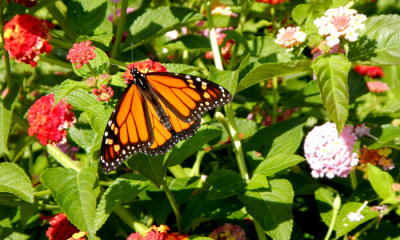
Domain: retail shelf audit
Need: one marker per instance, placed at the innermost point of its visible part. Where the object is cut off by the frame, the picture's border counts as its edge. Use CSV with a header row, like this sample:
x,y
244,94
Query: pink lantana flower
x,y
340,22
377,87
328,153
104,93
290,37
81,53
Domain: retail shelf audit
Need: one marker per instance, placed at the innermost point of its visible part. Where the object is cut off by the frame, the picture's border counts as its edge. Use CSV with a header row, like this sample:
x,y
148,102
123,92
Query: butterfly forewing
x,y
135,125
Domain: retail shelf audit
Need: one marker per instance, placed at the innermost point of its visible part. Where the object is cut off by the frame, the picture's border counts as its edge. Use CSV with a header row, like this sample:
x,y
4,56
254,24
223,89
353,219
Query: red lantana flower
x,y
271,1
81,53
26,36
61,228
26,3
143,67
371,71
48,122
104,93
158,233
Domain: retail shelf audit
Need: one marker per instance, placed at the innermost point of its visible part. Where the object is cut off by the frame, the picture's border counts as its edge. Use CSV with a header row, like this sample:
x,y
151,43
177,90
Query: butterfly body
x,y
155,111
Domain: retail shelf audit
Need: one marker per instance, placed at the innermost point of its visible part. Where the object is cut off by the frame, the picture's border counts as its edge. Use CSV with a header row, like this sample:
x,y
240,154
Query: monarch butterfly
x,y
155,111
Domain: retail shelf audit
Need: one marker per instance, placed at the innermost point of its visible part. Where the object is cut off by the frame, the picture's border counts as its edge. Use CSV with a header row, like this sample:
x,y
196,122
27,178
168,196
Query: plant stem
x,y
62,20
230,115
276,99
178,171
336,207
54,61
42,193
62,158
259,230
130,219
174,205
120,29
213,38
197,163
353,179
236,143
6,56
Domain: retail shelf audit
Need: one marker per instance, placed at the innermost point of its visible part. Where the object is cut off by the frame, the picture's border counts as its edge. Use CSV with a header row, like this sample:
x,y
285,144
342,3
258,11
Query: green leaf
x,y
123,190
155,22
66,87
152,167
288,142
387,136
186,148
300,13
272,208
227,79
379,41
83,137
81,100
224,183
190,42
344,225
199,238
85,16
277,162
332,73
268,70
381,182
258,181
324,198
99,65
5,125
181,68
75,193
13,179
98,117
199,209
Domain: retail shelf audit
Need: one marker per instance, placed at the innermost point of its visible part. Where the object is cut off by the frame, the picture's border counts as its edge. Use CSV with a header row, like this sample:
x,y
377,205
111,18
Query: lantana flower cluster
x,y
61,228
26,3
26,37
81,53
228,231
159,233
146,66
328,153
370,71
375,157
290,37
340,22
271,1
49,122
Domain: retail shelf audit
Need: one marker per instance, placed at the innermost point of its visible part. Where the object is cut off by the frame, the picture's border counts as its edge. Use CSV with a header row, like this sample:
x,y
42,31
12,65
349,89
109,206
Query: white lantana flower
x,y
340,22
290,37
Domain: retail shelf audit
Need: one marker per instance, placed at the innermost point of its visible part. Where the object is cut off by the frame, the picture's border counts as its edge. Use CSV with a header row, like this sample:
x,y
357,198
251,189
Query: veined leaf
x,y
122,190
76,193
379,41
13,179
190,146
66,87
331,74
277,162
268,70
156,22
5,125
272,208
381,182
